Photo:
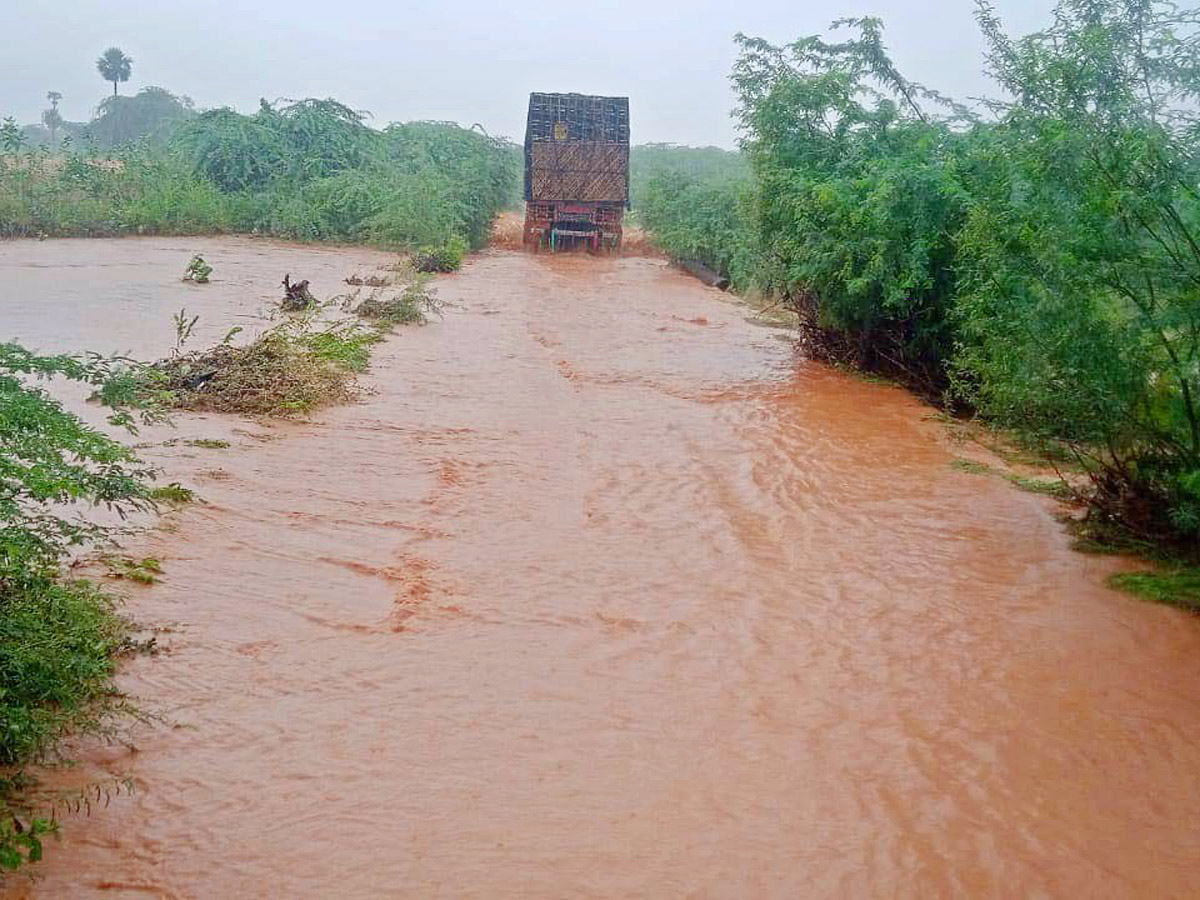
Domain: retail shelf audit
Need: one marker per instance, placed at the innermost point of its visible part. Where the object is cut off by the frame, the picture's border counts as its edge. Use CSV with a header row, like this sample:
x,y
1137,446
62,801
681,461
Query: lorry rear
x,y
576,171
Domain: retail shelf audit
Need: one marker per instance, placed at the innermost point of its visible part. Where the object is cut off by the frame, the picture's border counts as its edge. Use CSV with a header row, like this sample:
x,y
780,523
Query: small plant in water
x,y
972,467
198,270
144,571
410,306
183,328
173,493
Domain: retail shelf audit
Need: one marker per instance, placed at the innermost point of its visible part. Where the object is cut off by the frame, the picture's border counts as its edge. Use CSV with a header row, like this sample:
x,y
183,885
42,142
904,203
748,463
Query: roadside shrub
x,y
137,192
308,170
1079,308
447,257
857,201
235,152
58,636
693,217
1040,268
58,639
647,162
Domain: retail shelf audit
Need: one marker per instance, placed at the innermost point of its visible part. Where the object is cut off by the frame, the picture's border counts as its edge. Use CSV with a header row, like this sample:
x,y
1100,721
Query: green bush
x,y
310,170
57,644
704,218
857,201
648,162
447,257
1041,267
1078,313
58,637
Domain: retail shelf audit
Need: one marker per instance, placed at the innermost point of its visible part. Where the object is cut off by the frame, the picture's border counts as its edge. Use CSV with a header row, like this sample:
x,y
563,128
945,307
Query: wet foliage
x,y
1036,259
647,162
295,367
310,170
409,304
58,636
447,257
693,201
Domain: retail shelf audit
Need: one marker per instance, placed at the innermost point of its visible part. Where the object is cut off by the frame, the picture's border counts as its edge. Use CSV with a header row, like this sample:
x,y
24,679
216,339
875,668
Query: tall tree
x,y
113,65
51,117
53,121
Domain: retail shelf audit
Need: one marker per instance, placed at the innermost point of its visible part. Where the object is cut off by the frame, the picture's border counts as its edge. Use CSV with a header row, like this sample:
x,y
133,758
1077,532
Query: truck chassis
x,y
563,226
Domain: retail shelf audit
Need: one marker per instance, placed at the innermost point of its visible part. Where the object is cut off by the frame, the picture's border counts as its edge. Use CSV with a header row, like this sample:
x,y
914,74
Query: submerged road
x,y
602,592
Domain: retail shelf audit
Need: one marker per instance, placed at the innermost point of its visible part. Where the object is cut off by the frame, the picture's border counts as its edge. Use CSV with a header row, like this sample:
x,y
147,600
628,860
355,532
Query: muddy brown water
x,y
602,592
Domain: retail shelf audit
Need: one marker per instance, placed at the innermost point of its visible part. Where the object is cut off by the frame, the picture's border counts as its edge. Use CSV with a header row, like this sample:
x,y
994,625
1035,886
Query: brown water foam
x,y
602,593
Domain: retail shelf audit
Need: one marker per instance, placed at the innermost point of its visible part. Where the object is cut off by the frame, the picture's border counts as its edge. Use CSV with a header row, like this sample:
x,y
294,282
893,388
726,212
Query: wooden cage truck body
x,y
576,171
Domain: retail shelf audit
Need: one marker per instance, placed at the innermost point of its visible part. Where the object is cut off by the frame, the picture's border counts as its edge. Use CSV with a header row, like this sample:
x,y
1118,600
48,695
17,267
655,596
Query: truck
x,y
576,171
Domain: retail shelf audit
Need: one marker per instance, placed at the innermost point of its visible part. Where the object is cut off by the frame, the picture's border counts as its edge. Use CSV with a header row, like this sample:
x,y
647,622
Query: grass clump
x,y
410,306
295,367
1177,586
173,493
972,467
369,281
1174,579
1056,488
143,571
446,257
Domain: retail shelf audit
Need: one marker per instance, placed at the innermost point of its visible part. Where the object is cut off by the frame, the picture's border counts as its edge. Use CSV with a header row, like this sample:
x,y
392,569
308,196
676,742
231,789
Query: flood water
x,y
603,592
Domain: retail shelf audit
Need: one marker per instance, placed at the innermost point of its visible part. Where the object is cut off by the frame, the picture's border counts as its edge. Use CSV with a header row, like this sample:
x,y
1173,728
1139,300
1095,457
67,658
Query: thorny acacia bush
x,y
310,170
702,217
1039,264
313,170
696,202
1078,312
856,205
58,637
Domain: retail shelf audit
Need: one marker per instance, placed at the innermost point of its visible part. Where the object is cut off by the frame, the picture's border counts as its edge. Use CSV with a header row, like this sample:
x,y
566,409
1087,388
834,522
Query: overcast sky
x,y
468,61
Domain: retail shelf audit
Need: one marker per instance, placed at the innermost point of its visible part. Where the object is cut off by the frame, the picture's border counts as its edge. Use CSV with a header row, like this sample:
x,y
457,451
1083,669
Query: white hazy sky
x,y
467,61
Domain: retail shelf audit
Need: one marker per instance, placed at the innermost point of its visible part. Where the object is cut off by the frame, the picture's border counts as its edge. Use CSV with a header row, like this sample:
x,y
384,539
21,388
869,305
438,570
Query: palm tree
x,y
51,117
113,65
53,120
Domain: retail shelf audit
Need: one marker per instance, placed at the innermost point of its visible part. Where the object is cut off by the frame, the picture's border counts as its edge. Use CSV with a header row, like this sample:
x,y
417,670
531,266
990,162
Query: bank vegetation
x,y
311,170
1033,260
